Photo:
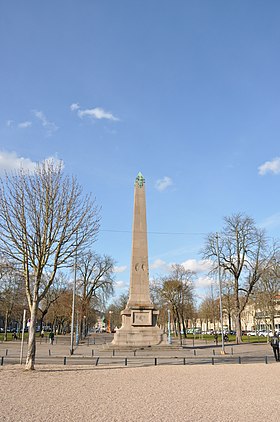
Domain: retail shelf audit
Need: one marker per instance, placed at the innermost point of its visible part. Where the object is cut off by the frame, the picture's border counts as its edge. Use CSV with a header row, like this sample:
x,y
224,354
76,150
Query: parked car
x,y
252,333
264,333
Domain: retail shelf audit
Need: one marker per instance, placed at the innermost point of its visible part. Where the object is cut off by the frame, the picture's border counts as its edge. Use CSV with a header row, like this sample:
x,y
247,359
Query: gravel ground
x,y
161,393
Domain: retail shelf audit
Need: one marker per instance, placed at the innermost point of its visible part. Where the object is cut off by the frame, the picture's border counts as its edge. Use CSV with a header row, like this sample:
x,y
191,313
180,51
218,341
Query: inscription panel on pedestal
x,y
141,317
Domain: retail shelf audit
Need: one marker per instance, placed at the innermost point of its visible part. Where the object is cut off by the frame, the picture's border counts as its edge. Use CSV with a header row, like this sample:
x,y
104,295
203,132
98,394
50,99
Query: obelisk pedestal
x,y
139,318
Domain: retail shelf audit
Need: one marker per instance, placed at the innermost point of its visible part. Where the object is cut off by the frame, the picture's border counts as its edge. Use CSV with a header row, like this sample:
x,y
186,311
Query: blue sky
x,y
187,92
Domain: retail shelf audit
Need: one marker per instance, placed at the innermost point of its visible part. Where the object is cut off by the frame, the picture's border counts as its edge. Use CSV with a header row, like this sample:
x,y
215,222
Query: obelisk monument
x,y
139,318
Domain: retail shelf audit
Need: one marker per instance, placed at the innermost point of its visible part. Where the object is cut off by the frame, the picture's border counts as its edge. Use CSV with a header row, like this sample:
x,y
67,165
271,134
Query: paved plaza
x,y
97,350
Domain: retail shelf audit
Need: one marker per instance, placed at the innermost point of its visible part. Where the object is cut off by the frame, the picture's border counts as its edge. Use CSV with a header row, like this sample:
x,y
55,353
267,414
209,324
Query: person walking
x,y
275,346
51,337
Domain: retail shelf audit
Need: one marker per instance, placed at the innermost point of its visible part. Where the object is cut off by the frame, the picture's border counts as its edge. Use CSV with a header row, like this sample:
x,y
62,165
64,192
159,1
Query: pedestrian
x,y
216,338
51,337
14,335
42,333
275,346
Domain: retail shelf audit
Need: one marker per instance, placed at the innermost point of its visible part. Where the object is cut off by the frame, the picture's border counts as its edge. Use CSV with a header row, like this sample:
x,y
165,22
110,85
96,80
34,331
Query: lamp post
x,y
109,322
85,327
168,327
73,303
220,293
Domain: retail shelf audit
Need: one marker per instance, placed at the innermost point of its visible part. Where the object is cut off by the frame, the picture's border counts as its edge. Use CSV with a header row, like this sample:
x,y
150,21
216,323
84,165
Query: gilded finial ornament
x,y
140,179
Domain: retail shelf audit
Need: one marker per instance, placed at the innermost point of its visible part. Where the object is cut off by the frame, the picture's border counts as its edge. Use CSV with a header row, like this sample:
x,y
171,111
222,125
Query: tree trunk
x,y
179,326
184,326
31,351
238,328
6,326
229,321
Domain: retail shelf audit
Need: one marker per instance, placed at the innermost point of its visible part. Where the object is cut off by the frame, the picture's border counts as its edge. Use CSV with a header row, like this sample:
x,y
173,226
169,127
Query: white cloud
x,y
24,125
197,266
272,166
163,184
97,113
10,123
74,107
49,126
10,161
54,161
121,284
159,264
120,269
202,282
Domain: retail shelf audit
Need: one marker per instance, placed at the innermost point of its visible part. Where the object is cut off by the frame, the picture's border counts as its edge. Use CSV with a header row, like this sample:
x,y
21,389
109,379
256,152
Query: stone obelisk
x,y
139,318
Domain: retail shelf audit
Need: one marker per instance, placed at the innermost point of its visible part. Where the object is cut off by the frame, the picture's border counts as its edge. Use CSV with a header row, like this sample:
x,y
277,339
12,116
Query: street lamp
x,y
85,328
220,293
109,322
168,327
73,302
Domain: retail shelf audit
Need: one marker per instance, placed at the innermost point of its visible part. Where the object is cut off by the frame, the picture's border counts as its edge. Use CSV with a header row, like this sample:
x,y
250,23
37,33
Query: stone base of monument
x,y
139,328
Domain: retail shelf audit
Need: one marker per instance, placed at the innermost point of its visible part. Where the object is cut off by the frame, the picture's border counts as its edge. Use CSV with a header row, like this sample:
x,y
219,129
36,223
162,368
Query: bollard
x,y
184,361
214,352
96,362
125,361
64,361
113,353
155,361
49,352
6,352
134,353
2,360
194,352
231,351
92,353
213,361
239,359
265,359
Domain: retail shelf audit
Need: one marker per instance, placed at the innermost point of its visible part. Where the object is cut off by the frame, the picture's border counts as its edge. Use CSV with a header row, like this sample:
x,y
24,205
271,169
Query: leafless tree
x,y
44,220
95,281
267,292
11,294
243,256
116,307
58,287
176,291
209,311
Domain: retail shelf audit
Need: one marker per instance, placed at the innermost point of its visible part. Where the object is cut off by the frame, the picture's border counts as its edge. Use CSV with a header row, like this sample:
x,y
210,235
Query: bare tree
x,y
115,308
95,275
267,291
60,311
11,293
176,291
209,311
228,301
242,255
58,287
44,219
